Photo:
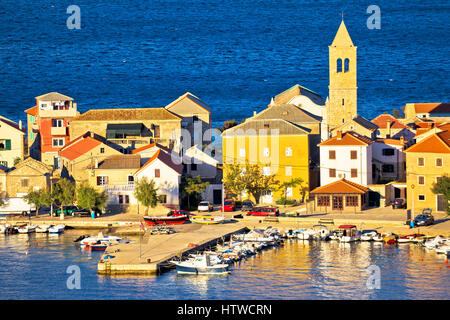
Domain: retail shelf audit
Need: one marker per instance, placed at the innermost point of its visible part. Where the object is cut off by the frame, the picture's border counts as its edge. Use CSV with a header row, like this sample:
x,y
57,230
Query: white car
x,y
205,206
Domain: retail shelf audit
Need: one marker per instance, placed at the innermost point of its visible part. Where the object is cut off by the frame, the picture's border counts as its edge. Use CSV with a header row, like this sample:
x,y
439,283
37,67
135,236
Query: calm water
x,y
233,54
310,270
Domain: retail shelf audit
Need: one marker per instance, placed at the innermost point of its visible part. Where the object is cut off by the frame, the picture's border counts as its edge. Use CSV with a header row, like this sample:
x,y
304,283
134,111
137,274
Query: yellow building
x,y
277,146
12,142
342,101
426,162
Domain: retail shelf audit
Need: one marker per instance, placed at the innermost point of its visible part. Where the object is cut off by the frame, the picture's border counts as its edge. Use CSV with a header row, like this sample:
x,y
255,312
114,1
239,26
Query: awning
x,y
122,130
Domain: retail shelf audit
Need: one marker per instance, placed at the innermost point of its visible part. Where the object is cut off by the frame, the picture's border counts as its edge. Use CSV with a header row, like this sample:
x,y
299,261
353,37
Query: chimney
x,y
254,113
96,163
402,140
388,134
339,134
20,124
74,105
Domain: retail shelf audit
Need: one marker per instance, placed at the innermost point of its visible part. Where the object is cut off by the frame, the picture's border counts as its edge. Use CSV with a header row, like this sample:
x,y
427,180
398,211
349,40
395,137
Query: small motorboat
x,y
378,238
257,235
43,228
99,239
444,248
434,243
367,235
99,246
27,228
390,238
56,229
201,264
173,217
350,233
336,234
207,219
409,238
4,228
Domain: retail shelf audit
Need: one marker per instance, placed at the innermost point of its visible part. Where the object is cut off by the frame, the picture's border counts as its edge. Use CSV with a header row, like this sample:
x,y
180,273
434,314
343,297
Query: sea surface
x,y
235,55
298,270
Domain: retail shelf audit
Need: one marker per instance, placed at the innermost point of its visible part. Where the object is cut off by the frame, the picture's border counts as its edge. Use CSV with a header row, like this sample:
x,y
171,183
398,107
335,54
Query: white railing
x,y
118,187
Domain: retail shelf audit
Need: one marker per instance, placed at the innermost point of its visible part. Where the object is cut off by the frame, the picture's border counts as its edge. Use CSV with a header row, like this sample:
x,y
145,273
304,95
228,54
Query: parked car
x,y
247,205
398,203
423,220
68,210
205,206
237,205
228,205
264,211
86,212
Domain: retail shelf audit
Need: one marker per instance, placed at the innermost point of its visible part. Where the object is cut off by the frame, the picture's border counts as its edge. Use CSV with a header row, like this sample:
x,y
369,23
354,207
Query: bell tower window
x,y
346,65
339,65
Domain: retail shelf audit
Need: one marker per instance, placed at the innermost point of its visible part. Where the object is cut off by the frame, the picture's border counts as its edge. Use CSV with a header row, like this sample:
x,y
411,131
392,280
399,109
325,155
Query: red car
x,y
228,205
264,211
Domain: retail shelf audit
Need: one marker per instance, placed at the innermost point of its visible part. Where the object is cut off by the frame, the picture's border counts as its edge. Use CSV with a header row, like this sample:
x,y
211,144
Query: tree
x,y
232,180
290,184
227,125
443,187
194,185
17,160
396,113
145,192
89,198
255,182
39,198
64,193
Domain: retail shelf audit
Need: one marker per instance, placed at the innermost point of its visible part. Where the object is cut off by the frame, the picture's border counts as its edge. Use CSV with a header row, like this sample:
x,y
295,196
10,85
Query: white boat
x,y
445,249
207,219
43,228
350,233
27,229
254,235
433,243
321,232
201,264
57,229
4,228
336,234
367,235
306,234
99,238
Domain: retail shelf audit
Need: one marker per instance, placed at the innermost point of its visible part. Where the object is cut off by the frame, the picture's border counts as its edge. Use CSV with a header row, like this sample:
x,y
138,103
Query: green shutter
x,y
7,144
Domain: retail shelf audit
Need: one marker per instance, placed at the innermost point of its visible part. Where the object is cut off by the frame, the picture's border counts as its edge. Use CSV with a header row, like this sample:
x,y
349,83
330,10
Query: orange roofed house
x,y
48,126
426,162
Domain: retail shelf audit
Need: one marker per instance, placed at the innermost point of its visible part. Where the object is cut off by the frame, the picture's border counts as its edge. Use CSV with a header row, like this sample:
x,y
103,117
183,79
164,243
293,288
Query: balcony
x,y
68,113
118,187
59,131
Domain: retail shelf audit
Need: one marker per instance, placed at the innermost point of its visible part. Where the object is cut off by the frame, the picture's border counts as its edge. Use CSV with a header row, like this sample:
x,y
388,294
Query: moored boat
x,y
100,238
207,219
367,235
56,229
43,228
173,217
201,264
390,238
409,238
350,233
27,228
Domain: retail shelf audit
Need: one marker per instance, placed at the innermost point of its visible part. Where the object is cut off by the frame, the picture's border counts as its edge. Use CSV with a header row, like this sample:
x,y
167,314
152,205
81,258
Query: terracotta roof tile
x,y
341,186
436,143
32,111
432,107
349,138
383,119
135,114
166,159
54,96
80,147
125,161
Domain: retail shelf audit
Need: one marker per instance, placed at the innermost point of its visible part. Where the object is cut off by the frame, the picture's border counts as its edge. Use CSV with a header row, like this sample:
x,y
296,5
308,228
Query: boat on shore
x,y
207,219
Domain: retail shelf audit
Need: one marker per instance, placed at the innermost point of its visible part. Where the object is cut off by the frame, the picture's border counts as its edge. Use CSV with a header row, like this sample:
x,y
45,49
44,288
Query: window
x,y
4,163
242,152
194,118
346,65
130,179
266,125
343,102
184,124
288,171
288,152
157,131
387,168
158,173
124,199
5,144
162,198
420,162
193,166
421,197
332,154
102,180
266,152
57,123
438,162
388,152
354,173
323,201
102,150
58,142
339,65
351,201
24,183
266,171
353,154
421,180
332,173
289,192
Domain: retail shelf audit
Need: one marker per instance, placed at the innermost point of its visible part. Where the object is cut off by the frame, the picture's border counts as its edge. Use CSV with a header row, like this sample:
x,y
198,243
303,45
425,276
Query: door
x,y
217,196
338,203
441,202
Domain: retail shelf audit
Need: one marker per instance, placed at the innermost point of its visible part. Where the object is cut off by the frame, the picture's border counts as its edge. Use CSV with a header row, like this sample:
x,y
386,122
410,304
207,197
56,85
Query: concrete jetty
x,y
152,254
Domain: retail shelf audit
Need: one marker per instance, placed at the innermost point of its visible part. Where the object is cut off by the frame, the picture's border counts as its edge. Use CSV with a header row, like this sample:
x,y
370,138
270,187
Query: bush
x,y
285,202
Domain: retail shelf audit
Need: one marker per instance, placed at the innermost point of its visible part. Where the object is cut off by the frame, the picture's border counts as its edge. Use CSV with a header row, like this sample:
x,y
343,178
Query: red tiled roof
x,y
432,107
32,111
395,142
436,143
151,145
349,138
166,159
382,121
341,186
78,147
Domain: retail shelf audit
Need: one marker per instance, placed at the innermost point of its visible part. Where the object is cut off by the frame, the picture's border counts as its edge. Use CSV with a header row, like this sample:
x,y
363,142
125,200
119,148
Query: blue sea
x,y
234,55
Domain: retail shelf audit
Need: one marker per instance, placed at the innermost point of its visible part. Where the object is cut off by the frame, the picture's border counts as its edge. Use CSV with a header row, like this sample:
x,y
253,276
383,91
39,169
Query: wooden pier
x,y
151,254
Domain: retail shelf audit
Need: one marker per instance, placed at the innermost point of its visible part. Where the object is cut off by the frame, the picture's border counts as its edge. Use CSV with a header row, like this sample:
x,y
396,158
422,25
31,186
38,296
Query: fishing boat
x,y
306,234
367,235
43,228
173,217
100,238
350,233
201,264
336,234
56,229
435,242
254,235
409,238
207,219
321,232
27,228
390,238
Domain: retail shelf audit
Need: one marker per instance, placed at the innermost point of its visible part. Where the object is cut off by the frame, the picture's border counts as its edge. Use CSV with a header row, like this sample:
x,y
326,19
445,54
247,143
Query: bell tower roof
x,y
342,38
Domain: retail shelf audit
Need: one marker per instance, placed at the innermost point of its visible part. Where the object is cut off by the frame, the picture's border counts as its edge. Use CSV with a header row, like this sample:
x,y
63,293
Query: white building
x,y
346,155
388,160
